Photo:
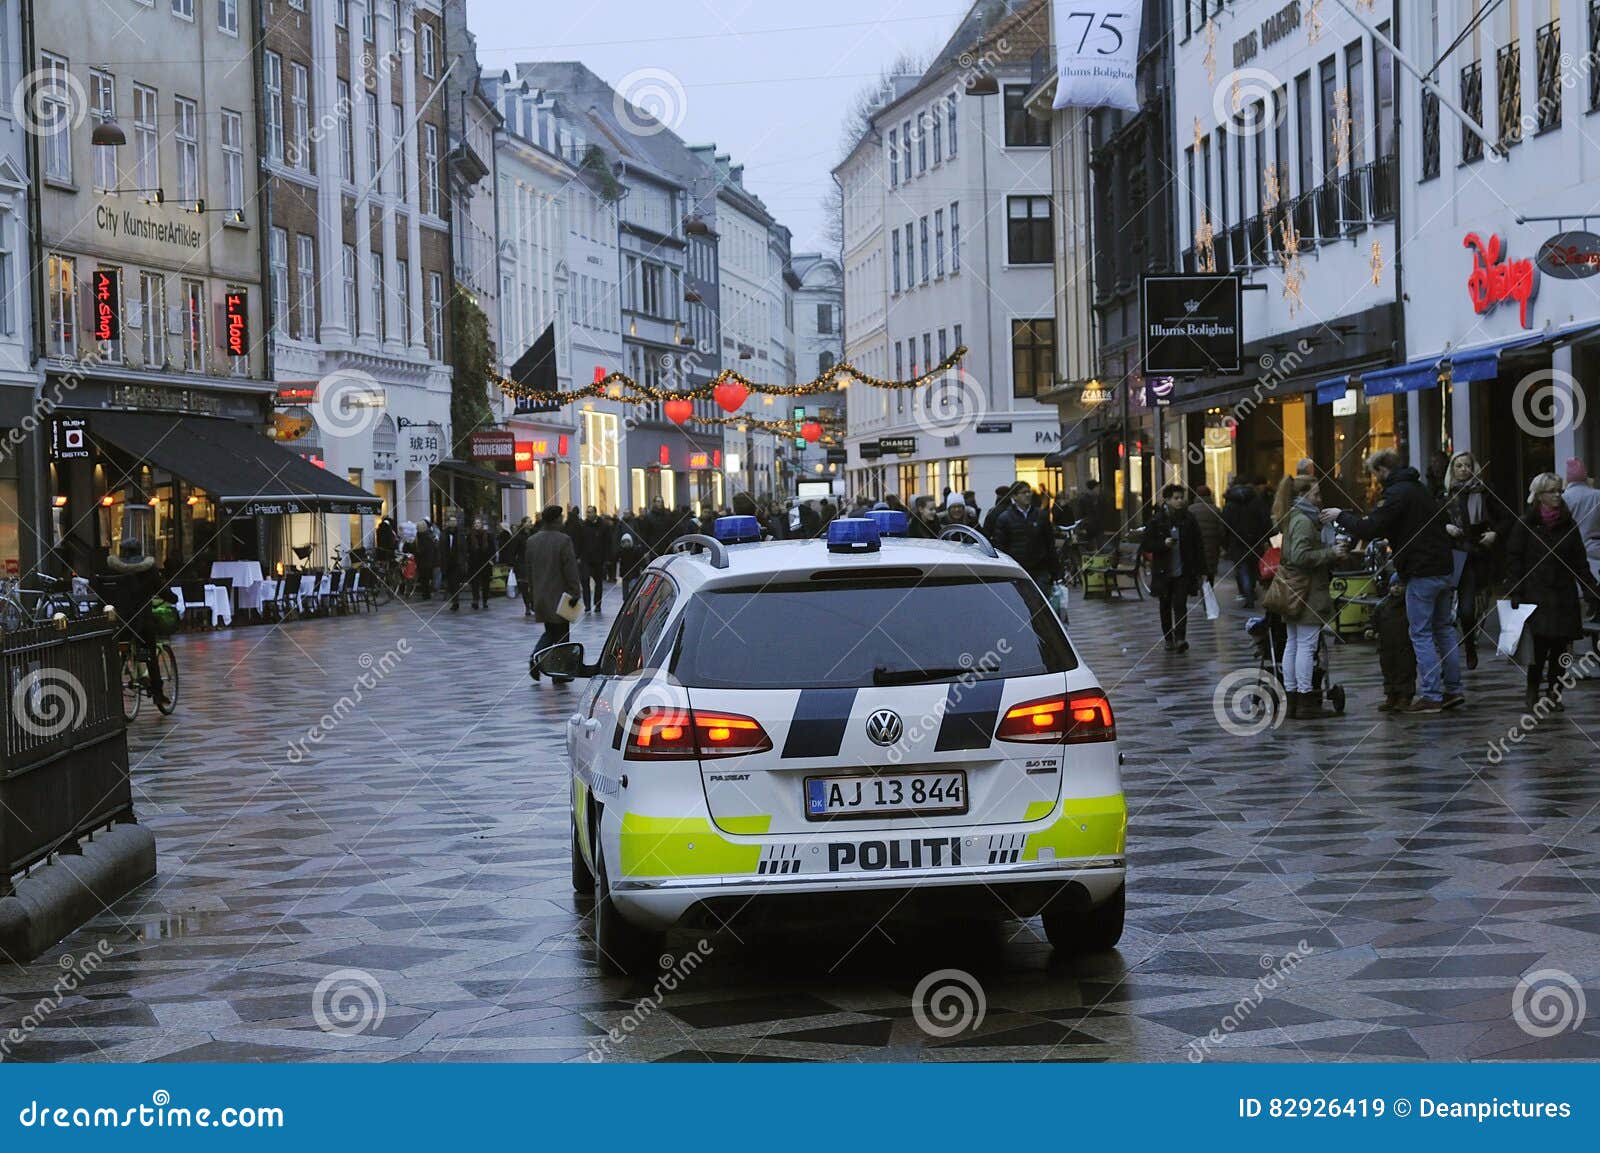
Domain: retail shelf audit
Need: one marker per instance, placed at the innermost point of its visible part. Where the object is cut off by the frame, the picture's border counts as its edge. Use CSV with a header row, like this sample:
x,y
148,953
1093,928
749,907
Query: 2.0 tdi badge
x,y
884,727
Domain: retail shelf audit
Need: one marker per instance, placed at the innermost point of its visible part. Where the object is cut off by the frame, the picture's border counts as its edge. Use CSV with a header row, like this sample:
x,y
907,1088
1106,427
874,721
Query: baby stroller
x,y
1269,634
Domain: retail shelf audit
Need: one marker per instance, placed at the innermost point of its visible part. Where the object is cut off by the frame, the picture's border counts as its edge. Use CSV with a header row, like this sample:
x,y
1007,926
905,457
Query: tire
x,y
621,948
168,662
582,879
1077,933
132,697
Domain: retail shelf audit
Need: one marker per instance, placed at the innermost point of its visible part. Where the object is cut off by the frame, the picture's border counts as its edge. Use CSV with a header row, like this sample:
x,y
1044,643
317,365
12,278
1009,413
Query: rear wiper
x,y
883,676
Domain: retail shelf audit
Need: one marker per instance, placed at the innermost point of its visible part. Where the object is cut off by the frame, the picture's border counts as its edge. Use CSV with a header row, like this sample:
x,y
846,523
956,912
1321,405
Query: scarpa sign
x,y
1191,325
1570,255
1097,52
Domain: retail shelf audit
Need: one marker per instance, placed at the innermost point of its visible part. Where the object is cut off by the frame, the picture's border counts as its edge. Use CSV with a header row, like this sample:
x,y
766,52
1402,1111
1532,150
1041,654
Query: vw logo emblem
x,y
884,727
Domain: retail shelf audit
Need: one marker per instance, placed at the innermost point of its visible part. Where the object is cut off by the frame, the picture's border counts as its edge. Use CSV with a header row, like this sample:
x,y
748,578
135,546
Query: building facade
x,y
24,520
818,346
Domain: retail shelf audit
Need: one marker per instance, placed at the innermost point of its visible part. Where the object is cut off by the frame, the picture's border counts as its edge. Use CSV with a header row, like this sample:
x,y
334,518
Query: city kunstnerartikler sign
x,y
1190,325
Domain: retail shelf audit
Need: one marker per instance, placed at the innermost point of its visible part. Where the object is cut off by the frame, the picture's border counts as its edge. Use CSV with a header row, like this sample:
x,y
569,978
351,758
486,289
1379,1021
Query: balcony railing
x,y
1547,43
1260,246
1472,105
1430,134
1239,247
1305,216
1328,210
1508,92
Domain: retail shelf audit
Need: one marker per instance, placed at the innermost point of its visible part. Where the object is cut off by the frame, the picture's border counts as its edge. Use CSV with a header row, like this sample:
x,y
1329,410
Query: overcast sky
x,y
767,82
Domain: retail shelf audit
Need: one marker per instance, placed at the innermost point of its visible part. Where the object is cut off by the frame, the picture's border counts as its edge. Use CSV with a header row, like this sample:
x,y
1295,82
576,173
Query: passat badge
x,y
884,727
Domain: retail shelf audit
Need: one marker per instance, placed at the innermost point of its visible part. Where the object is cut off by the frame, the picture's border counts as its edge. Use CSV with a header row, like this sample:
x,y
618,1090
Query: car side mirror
x,y
562,660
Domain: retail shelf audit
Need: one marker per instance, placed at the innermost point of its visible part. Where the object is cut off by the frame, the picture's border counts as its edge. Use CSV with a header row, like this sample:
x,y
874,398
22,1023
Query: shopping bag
x,y
1058,601
1512,622
511,583
1208,597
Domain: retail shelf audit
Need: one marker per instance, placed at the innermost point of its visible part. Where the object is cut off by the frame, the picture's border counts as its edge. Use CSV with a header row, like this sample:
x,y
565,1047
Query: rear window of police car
x,y
912,630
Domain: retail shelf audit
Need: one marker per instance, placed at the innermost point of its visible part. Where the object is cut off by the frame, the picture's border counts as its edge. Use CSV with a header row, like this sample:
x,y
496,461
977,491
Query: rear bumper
x,y
1014,890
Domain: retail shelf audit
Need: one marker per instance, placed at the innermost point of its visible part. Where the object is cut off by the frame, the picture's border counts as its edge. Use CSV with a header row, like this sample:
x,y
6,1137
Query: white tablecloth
x,y
216,602
245,573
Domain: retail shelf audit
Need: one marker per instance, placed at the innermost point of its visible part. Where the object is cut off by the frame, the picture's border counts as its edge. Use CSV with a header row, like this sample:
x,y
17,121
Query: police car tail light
x,y
1076,718
678,734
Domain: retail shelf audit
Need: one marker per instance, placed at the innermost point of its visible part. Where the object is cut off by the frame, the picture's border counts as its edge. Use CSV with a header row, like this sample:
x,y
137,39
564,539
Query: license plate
x,y
828,798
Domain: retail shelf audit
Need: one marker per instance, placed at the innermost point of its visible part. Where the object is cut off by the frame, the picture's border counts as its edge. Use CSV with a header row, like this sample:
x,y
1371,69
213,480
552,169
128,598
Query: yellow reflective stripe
x,y
746,826
1039,810
681,847
1088,827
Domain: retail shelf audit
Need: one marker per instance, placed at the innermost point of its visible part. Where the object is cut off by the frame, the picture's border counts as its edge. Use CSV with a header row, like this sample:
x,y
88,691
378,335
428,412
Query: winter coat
x,y
1091,512
453,552
595,549
632,552
1025,536
1212,531
1544,566
427,547
1408,518
552,570
480,550
1157,532
1248,521
1304,552
1472,509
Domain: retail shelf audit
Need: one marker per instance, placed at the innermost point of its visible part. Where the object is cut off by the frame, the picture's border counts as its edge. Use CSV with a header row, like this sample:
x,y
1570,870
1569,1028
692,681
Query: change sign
x,y
1191,325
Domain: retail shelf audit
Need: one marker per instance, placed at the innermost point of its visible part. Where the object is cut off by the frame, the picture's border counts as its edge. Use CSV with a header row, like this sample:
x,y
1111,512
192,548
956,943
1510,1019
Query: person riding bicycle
x,y
131,581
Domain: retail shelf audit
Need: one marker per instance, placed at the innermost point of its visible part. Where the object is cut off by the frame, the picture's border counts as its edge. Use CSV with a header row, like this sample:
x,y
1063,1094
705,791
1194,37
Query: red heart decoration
x,y
811,432
678,411
729,395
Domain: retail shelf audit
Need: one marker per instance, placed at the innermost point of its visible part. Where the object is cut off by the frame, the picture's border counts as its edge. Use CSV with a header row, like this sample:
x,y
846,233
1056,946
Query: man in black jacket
x,y
1248,522
594,553
453,559
1022,530
1172,548
1412,522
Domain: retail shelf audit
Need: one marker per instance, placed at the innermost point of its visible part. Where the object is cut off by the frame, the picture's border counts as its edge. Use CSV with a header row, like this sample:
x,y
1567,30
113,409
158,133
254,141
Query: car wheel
x,y
582,878
1080,932
622,948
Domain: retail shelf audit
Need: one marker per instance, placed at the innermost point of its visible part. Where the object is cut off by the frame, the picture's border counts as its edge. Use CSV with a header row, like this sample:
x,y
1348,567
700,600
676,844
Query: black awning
x,y
469,471
242,470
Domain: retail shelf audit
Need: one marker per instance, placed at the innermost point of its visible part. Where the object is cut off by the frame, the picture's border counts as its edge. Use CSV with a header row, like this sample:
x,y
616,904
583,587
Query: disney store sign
x,y
1495,280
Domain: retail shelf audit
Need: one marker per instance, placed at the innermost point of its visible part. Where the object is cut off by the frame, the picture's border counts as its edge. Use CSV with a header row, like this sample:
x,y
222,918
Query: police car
x,y
865,725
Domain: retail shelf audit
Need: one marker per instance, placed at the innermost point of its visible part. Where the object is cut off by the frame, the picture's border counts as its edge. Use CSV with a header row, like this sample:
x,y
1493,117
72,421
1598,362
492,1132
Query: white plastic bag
x,y
511,583
1058,601
1208,597
1512,622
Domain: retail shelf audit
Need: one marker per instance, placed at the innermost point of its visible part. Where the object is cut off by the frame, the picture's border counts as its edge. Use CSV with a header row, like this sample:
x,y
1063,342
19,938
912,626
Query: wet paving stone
x,y
334,842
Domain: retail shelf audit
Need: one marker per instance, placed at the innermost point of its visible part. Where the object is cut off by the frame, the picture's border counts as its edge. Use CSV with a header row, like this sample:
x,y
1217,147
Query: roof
x,y
774,559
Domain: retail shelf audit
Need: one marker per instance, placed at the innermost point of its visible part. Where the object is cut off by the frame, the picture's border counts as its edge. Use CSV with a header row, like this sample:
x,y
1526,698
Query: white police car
x,y
805,730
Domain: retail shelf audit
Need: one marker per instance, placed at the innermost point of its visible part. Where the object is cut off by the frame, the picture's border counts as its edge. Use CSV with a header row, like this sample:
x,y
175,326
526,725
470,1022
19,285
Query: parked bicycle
x,y
56,597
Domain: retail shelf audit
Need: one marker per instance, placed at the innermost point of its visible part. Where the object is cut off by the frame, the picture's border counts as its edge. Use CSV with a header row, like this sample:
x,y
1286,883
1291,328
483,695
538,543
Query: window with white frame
x,y
955,236
373,156
300,117
430,168
194,326
402,295
228,17
146,138
352,318
55,118
341,13
153,315
273,82
232,161
103,109
380,318
186,135
279,261
427,50
950,122
938,241
306,272
347,145
436,315
9,285
183,9
396,181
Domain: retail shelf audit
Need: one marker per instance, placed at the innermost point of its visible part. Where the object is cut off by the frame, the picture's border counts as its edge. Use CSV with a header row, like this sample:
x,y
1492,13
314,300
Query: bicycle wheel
x,y
168,662
382,591
132,689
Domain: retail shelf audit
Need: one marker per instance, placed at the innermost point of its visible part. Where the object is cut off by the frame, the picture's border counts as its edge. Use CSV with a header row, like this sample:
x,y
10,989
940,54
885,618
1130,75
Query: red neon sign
x,y
561,445
1494,279
522,456
107,305
666,455
699,460
236,316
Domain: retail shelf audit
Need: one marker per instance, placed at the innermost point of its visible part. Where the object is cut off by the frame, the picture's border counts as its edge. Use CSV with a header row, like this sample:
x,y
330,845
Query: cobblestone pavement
x,y
1361,888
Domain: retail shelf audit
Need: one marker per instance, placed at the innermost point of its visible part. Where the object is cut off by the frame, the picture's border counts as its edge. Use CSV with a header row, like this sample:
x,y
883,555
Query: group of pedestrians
x,y
451,557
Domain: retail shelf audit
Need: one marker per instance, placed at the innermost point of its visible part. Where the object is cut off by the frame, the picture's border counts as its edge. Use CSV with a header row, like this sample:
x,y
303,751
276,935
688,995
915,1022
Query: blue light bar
x,y
737,529
890,522
852,534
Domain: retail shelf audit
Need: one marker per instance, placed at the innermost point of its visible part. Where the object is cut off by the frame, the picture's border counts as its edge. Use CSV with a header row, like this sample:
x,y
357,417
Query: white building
x,y
1481,364
19,502
818,346
965,245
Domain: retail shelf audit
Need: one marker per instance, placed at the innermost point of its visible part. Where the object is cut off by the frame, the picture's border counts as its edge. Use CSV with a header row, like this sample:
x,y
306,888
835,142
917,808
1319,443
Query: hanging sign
x,y
1494,279
1191,325
1570,256
236,316
1097,53
493,444
107,304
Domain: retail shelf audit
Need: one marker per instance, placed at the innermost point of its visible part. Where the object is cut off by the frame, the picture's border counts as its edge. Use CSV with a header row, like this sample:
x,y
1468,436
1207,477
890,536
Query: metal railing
x,y
1547,64
1472,105
63,741
1508,92
1430,134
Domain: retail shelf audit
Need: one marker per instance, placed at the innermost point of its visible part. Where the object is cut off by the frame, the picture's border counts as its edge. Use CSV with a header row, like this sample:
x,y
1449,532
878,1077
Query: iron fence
x,y
1547,61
